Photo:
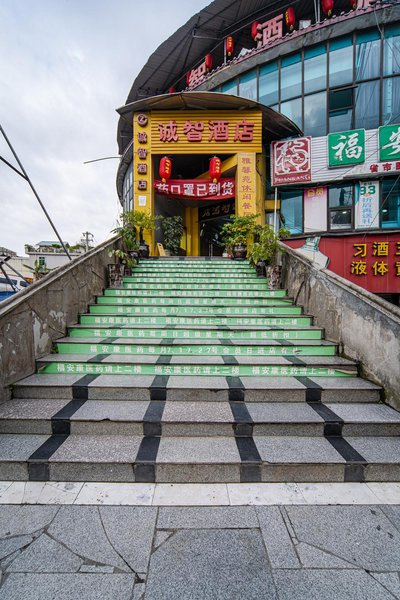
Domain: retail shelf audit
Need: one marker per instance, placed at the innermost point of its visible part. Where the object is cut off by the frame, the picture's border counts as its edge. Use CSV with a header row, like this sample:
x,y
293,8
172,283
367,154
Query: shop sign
x,y
291,161
269,31
315,214
367,205
197,189
346,148
222,209
246,185
389,142
379,259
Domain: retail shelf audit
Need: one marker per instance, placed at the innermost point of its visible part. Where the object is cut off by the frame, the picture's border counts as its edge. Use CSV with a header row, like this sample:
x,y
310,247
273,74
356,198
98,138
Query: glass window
x,y
248,85
391,100
290,76
340,110
292,210
367,105
340,206
314,69
390,209
292,110
315,114
391,51
341,62
368,55
229,87
268,84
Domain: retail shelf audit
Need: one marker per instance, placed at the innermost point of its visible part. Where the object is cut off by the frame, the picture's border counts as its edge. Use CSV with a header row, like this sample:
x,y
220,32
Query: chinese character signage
x,y
142,162
269,31
206,132
246,192
367,205
389,143
346,148
197,189
378,258
291,161
222,209
315,211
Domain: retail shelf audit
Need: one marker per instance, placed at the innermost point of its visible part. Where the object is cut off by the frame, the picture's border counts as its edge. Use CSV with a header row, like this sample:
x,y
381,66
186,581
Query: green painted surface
x,y
184,299
209,334
191,309
197,350
197,370
190,278
195,321
131,289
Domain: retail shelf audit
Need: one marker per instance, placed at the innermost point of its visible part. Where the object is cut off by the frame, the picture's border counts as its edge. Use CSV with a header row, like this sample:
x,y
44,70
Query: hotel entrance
x,y
211,220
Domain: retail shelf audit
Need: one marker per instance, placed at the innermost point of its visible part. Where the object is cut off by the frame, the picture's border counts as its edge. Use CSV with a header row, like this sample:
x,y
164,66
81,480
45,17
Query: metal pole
x,y
275,208
35,192
8,279
3,262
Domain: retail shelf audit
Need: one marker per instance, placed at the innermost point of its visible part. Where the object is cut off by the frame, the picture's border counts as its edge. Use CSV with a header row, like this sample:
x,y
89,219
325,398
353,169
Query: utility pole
x,y
87,238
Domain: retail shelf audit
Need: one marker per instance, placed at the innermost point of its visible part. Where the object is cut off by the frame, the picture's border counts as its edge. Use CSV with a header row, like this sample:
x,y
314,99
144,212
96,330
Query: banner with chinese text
x,y
291,161
197,189
367,205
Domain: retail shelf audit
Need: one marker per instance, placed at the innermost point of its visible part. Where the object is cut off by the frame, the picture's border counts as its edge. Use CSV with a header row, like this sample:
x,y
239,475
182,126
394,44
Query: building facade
x,y
332,69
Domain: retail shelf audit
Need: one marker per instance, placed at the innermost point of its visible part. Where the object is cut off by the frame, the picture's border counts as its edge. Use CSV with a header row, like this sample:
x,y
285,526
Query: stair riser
x,y
130,289
188,278
197,322
258,311
206,334
179,293
193,301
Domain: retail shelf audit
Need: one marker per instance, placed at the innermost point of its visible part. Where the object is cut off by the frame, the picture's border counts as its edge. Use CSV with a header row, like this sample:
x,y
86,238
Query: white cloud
x,y
66,66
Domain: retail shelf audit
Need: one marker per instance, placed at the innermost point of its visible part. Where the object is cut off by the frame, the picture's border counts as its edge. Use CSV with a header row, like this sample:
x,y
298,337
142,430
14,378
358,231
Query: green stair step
x,y
193,321
198,293
222,334
190,278
190,370
190,309
131,289
183,300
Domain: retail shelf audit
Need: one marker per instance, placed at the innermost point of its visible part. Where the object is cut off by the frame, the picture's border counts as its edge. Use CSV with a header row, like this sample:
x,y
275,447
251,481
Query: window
x,y
340,206
340,110
230,87
248,85
315,114
314,69
127,196
368,55
391,100
341,62
390,208
42,261
268,83
290,76
292,109
367,105
391,51
292,210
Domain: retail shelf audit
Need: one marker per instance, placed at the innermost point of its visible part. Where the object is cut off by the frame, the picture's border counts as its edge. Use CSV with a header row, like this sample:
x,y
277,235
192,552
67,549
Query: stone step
x,y
219,333
191,419
168,292
196,310
138,286
197,459
194,389
195,268
189,277
235,299
196,321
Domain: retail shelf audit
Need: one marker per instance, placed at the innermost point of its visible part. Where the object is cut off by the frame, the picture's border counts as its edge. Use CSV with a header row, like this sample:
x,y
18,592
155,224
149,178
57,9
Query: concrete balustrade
x,y
32,320
366,327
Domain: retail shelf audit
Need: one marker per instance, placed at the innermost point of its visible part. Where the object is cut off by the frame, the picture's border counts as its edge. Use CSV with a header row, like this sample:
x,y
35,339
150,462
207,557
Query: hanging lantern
x,y
353,4
165,168
208,61
172,90
254,29
215,168
290,18
229,45
188,77
327,6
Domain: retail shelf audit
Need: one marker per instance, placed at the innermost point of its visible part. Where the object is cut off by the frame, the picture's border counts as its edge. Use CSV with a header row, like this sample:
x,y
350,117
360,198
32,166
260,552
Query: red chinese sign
x,y
291,161
197,189
385,167
269,31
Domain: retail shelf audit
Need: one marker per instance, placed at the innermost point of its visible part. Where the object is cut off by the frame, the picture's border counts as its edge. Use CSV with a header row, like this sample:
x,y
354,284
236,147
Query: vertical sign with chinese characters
x,y
291,161
367,204
142,163
246,184
346,148
315,212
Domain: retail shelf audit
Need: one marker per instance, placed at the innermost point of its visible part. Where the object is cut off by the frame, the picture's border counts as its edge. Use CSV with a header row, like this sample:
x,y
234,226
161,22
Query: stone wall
x,y
366,327
31,321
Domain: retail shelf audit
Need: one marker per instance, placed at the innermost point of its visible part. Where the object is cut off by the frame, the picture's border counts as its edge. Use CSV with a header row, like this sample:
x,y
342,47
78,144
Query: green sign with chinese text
x,y
346,148
389,142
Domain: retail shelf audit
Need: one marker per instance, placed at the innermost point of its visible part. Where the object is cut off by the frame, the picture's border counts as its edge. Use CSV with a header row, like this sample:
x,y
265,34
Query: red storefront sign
x,y
291,161
197,189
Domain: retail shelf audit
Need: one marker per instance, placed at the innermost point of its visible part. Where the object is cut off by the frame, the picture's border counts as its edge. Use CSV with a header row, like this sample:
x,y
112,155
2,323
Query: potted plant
x,y
128,252
144,222
236,233
172,228
265,253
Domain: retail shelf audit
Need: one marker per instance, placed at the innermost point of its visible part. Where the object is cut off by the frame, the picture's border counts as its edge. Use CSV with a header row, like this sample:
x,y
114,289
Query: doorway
x,y
212,218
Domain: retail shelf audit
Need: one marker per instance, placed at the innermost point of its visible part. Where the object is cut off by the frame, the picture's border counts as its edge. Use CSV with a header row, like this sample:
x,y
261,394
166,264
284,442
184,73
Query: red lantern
x,y
171,90
254,29
208,61
188,77
229,45
165,168
327,6
215,168
353,4
290,18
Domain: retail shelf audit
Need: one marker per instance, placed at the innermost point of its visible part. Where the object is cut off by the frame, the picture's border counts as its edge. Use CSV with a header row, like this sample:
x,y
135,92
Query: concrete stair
x,y
195,371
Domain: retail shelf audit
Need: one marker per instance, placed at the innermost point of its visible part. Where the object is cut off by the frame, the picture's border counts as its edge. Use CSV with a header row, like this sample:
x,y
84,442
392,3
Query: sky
x,y
65,66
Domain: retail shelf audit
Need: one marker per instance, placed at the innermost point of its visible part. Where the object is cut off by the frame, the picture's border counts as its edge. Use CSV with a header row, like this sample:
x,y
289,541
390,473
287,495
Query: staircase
x,y
195,371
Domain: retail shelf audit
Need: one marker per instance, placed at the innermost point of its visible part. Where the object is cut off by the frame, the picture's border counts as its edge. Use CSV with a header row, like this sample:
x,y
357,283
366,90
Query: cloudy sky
x,y
65,66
